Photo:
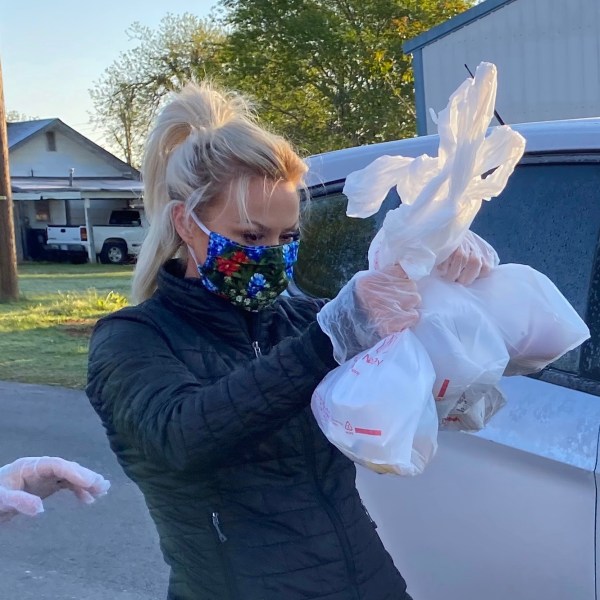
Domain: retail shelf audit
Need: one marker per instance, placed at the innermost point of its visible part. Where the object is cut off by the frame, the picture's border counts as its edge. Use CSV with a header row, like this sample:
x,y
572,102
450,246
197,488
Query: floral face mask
x,y
250,277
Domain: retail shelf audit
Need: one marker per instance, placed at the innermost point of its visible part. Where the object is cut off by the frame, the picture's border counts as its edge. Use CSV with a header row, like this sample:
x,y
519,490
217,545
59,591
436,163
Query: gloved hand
x,y
371,306
26,481
474,258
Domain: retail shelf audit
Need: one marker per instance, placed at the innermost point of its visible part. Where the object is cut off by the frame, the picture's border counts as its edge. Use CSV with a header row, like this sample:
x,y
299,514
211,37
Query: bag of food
x,y
440,198
465,347
536,321
475,408
515,306
378,408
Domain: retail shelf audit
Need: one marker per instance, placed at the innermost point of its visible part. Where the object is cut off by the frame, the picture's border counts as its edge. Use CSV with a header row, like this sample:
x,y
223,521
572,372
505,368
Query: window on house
x,y
50,141
42,210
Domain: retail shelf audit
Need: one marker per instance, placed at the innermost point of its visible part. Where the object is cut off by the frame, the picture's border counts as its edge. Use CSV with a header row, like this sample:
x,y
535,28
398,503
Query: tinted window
x,y
125,217
590,362
547,217
334,246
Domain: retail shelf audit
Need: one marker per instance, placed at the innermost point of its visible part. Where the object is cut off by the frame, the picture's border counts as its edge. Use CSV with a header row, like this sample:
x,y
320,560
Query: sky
x,y
53,51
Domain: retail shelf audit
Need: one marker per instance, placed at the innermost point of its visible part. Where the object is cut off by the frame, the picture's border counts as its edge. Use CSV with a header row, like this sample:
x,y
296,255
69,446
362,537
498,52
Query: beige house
x,y
60,177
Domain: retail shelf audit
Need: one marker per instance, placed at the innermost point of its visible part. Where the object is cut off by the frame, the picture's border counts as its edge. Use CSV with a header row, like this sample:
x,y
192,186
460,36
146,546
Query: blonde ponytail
x,y
204,142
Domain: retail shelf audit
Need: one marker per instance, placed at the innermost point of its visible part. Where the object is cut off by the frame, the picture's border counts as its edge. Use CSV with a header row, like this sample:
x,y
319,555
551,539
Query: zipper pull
x,y
217,526
256,349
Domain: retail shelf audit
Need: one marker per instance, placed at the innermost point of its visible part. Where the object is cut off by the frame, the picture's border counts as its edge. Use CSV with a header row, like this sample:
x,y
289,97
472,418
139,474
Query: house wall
x,y
547,53
32,211
33,155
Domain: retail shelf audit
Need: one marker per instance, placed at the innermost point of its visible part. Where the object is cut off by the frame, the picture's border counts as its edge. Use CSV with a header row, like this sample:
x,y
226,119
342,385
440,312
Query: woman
x,y
204,387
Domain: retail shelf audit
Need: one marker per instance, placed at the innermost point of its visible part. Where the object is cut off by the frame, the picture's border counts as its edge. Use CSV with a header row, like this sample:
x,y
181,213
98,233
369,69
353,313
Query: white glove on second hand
x,y
474,258
26,481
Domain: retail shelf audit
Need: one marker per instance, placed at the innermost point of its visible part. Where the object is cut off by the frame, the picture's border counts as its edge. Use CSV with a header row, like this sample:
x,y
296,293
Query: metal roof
x,y
18,132
435,33
55,185
545,137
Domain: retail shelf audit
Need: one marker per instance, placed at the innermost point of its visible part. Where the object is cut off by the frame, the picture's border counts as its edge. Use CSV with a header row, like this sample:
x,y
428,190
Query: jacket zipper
x,y
254,329
217,526
228,571
329,509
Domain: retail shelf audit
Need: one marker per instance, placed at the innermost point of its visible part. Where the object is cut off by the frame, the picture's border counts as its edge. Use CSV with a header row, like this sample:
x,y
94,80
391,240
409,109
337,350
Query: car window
x,y
334,246
548,217
125,217
590,361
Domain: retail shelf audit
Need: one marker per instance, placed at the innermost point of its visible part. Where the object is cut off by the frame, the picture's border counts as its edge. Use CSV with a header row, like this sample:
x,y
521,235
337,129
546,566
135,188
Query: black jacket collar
x,y
190,298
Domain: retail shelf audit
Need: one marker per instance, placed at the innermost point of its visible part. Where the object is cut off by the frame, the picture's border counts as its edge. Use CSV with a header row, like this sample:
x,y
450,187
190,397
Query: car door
x,y
509,512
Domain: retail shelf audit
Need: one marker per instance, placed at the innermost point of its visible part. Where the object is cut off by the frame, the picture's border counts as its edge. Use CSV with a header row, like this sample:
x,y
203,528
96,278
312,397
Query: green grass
x,y
44,336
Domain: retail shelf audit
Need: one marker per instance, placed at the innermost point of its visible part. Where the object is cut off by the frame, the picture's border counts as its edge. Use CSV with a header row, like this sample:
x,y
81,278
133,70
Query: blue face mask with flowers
x,y
250,277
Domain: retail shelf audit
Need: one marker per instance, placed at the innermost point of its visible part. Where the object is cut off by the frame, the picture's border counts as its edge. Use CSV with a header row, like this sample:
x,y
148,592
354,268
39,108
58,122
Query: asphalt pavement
x,y
108,550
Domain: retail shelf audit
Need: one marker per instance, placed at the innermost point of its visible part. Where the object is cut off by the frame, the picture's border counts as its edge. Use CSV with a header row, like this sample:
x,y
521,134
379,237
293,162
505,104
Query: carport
x,y
39,202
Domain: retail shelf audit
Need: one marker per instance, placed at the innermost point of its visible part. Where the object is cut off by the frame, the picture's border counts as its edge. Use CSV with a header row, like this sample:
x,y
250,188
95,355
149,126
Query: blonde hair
x,y
205,144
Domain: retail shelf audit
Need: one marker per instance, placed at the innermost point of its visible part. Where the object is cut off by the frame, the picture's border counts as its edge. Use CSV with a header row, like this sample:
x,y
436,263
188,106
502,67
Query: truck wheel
x,y
113,253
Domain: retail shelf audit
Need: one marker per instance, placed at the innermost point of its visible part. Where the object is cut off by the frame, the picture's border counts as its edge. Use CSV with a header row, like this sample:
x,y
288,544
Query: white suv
x,y
510,512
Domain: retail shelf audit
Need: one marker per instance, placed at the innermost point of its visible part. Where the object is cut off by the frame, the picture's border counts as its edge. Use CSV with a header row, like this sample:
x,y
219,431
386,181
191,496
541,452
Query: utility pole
x,y
9,286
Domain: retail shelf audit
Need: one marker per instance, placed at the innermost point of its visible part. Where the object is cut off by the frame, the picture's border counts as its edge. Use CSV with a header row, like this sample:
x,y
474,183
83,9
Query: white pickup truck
x,y
114,243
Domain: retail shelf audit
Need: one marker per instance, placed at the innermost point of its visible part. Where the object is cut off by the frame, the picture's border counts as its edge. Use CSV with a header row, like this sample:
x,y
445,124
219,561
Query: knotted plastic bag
x,y
519,318
440,195
378,408
440,198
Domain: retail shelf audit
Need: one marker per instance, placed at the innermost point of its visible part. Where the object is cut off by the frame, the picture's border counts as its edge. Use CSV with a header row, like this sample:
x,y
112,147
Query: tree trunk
x,y
9,289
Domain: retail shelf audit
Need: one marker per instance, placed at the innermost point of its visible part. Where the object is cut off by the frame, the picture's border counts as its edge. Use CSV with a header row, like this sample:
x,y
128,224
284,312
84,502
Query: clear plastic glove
x,y
371,306
474,258
25,482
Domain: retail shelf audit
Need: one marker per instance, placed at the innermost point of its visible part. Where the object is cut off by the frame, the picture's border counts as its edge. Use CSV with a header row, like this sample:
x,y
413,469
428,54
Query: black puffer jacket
x,y
250,500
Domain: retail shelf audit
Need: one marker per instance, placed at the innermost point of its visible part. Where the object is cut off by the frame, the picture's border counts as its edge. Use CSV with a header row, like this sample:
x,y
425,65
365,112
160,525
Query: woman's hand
x,y
25,482
474,258
371,306
390,298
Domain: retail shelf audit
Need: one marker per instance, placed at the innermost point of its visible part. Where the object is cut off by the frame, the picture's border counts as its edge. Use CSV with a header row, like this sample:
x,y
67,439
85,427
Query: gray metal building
x,y
547,53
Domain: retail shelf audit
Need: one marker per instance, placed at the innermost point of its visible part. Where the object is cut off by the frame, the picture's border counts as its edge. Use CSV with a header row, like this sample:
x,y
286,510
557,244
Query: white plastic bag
x,y
440,196
378,408
537,323
466,349
475,408
517,313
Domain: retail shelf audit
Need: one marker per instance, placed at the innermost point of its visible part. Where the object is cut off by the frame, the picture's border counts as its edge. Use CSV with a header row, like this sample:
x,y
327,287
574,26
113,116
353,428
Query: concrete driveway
x,y
108,550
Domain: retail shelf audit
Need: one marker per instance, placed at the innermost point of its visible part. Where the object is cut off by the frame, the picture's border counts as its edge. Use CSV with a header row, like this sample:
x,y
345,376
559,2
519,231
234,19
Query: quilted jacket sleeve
x,y
141,390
